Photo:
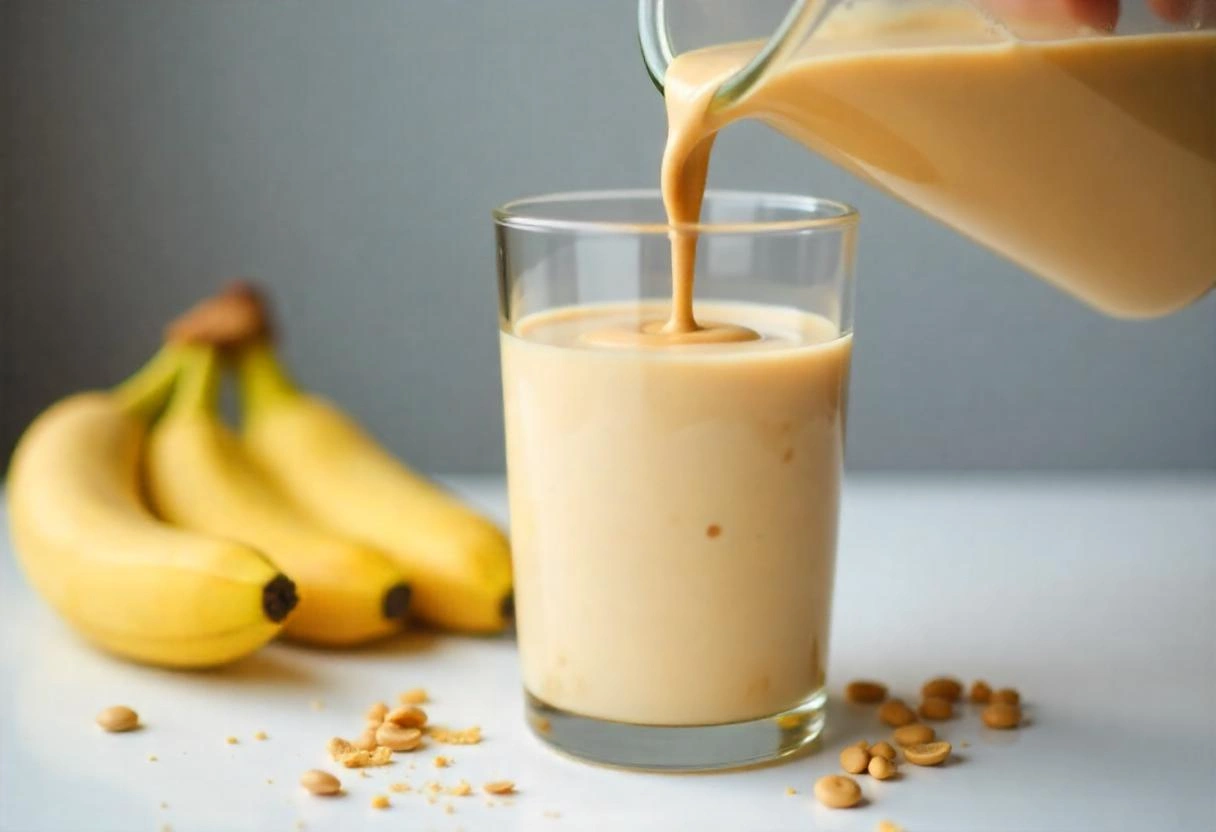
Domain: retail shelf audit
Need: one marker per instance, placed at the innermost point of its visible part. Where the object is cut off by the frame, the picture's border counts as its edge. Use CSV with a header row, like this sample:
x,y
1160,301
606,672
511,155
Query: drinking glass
x,y
674,507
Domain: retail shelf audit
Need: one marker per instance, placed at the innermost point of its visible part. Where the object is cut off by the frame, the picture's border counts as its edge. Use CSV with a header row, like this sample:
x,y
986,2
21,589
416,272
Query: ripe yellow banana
x,y
200,477
458,561
127,581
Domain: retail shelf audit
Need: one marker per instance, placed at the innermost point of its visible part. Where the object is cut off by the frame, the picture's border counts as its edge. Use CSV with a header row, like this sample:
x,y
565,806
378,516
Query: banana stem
x,y
264,383
144,394
198,385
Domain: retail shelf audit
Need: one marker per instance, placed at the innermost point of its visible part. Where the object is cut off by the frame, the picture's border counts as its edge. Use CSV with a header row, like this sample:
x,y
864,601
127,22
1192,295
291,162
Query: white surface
x,y
1094,597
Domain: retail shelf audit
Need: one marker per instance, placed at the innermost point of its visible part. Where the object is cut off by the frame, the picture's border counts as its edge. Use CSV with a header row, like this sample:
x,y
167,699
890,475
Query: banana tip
x,y
279,598
397,602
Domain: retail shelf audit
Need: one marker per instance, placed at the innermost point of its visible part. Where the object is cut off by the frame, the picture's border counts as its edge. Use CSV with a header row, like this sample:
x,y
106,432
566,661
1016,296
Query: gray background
x,y
348,154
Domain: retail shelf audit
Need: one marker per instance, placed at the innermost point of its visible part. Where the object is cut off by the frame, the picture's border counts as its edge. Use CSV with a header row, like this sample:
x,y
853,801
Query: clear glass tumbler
x,y
674,506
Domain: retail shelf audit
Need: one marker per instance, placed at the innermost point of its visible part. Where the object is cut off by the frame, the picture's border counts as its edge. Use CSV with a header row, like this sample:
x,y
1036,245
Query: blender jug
x,y
1077,139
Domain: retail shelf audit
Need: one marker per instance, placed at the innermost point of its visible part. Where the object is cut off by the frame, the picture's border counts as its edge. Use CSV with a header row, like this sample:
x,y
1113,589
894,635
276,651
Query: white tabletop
x,y
1095,597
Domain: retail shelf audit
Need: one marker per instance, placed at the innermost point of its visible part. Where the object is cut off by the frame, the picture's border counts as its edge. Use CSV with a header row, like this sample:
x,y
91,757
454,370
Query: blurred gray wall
x,y
348,154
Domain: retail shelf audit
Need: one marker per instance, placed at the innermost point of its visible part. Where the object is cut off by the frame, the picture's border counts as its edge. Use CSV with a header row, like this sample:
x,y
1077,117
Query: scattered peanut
x,y
413,696
398,738
406,717
881,768
442,762
943,687
790,791
895,713
913,734
865,691
888,826
837,791
499,787
380,802
980,692
461,789
927,753
935,707
118,718
361,758
854,760
399,787
367,740
260,735
1008,696
320,782
1001,715
231,740
376,713
883,749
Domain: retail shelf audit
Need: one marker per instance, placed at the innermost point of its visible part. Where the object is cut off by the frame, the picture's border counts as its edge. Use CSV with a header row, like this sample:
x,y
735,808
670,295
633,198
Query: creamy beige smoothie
x,y
1091,161
674,508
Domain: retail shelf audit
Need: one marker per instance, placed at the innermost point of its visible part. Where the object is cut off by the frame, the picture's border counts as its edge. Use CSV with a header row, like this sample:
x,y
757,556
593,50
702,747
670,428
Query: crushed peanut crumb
x,y
432,800
260,735
449,809
164,805
380,802
448,736
499,787
414,696
400,788
442,762
358,758
151,758
317,705
551,813
790,790
337,747
363,773
964,744
432,787
269,781
231,740
461,789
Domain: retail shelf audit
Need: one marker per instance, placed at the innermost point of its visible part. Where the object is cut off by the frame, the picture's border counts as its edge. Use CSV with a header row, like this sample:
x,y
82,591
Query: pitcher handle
x,y
654,38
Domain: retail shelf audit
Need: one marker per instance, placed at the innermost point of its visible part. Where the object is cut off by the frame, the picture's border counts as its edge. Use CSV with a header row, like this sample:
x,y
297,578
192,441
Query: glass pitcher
x,y
1074,139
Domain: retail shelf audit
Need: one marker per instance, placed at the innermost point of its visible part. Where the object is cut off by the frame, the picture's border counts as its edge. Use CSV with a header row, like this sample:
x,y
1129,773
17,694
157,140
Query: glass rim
x,y
820,213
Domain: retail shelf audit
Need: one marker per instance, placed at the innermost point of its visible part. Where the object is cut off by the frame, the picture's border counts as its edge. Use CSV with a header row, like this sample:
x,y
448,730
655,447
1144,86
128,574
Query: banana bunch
x,y
123,578
458,562
165,537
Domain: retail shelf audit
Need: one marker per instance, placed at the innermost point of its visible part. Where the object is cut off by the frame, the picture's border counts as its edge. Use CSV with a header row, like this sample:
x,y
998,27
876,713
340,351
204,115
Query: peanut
x,y
913,734
397,738
837,792
980,692
927,753
881,768
935,707
943,687
1001,715
1008,696
320,782
499,787
380,802
376,713
854,760
367,740
865,691
895,713
406,717
413,696
118,718
883,749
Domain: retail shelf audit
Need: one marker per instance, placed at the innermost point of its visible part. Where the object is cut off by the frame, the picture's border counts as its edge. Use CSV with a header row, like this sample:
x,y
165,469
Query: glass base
x,y
679,748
